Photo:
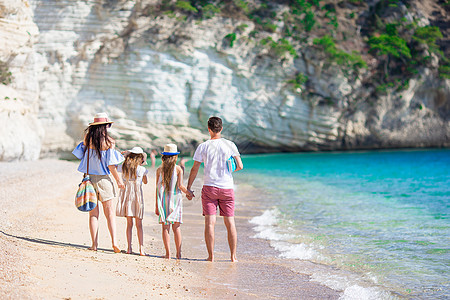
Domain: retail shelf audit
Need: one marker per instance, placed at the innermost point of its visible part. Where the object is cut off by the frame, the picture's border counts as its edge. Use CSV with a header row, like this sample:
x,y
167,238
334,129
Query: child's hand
x,y
190,195
120,184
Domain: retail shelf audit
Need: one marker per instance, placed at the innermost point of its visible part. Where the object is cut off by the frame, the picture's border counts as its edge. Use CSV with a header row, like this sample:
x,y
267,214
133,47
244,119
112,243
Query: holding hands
x,y
190,194
120,184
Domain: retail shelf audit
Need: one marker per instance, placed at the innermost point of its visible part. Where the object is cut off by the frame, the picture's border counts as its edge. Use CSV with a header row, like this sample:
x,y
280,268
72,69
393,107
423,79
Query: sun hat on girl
x,y
101,118
170,149
137,150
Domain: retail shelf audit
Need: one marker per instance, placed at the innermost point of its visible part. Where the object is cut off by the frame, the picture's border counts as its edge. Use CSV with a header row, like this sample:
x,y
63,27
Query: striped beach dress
x,y
170,205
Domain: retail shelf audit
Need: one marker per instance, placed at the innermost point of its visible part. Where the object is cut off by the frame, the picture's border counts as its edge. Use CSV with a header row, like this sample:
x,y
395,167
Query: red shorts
x,y
213,196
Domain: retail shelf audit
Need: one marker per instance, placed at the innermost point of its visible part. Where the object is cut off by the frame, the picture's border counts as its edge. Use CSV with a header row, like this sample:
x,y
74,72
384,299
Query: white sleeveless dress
x,y
170,205
131,198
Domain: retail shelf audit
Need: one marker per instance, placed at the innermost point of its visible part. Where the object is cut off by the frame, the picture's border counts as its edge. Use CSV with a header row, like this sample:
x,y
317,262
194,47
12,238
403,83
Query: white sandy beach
x,y
45,239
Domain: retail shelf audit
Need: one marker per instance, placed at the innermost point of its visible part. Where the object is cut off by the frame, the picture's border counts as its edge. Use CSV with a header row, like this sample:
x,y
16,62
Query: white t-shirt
x,y
140,172
214,154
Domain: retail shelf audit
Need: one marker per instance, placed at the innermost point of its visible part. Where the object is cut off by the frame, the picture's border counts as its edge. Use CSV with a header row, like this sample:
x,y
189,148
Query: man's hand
x,y
190,194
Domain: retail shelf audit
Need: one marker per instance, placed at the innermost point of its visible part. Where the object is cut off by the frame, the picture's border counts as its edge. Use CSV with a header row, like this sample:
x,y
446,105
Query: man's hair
x,y
215,124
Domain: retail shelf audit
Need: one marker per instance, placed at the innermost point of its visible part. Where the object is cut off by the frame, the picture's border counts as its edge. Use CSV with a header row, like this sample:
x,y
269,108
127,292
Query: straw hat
x,y
137,150
100,118
170,149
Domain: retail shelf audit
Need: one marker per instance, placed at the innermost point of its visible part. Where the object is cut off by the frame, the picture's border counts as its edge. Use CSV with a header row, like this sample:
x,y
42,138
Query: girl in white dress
x,y
169,205
131,198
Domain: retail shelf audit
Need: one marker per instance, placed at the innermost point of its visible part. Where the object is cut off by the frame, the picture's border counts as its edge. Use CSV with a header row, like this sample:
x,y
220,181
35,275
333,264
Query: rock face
x,y
160,79
20,130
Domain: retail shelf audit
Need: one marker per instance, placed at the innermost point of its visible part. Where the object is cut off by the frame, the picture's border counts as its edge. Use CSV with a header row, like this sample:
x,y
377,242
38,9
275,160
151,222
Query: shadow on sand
x,y
76,246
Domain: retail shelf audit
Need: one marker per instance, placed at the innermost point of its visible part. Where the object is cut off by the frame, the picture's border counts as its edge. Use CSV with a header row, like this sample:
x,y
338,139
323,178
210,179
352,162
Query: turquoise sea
x,y
379,219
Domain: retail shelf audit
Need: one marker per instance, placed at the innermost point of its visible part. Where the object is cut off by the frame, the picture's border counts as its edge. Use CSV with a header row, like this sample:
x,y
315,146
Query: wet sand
x,y
45,239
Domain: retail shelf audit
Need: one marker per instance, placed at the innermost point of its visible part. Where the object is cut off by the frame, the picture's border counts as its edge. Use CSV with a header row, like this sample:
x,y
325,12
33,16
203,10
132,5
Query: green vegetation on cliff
x,y
350,33
5,74
342,58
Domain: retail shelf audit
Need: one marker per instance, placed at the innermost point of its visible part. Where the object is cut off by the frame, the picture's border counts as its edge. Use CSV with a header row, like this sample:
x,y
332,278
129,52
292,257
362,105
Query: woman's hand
x,y
116,176
120,184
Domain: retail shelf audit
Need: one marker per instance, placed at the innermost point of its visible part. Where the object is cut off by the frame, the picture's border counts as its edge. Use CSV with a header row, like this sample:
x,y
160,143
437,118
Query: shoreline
x,y
341,212
348,283
45,240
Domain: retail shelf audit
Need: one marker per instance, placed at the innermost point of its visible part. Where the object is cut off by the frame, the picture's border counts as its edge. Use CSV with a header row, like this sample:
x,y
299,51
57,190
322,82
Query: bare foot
x,y
129,251
234,259
210,258
179,255
116,250
92,248
142,252
167,256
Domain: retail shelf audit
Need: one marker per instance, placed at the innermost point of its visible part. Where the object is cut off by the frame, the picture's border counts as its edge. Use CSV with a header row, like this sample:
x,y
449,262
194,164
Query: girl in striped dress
x,y
169,205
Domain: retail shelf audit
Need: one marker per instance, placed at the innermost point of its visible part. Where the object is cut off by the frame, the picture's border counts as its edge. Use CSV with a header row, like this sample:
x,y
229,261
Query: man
x,y
217,184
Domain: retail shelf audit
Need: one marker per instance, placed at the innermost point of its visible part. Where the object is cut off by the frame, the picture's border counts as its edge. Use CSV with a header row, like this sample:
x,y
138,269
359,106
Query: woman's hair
x,y
129,167
97,135
168,163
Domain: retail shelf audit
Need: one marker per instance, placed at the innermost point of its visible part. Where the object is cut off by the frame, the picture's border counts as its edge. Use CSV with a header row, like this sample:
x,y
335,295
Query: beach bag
x,y
231,164
86,197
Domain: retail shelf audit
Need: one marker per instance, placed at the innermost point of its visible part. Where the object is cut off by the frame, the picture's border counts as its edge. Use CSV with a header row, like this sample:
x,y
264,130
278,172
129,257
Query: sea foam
x,y
268,227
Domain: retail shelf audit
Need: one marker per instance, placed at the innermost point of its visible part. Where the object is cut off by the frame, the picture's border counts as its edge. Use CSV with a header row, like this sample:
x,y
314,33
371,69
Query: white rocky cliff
x,y
160,79
20,130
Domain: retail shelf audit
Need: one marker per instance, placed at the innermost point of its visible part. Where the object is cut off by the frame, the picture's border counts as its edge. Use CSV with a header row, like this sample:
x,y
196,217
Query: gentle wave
x,y
383,217
267,228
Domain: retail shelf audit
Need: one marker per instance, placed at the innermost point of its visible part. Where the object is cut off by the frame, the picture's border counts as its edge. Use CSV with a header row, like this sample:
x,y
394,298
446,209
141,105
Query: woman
x,y
99,149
